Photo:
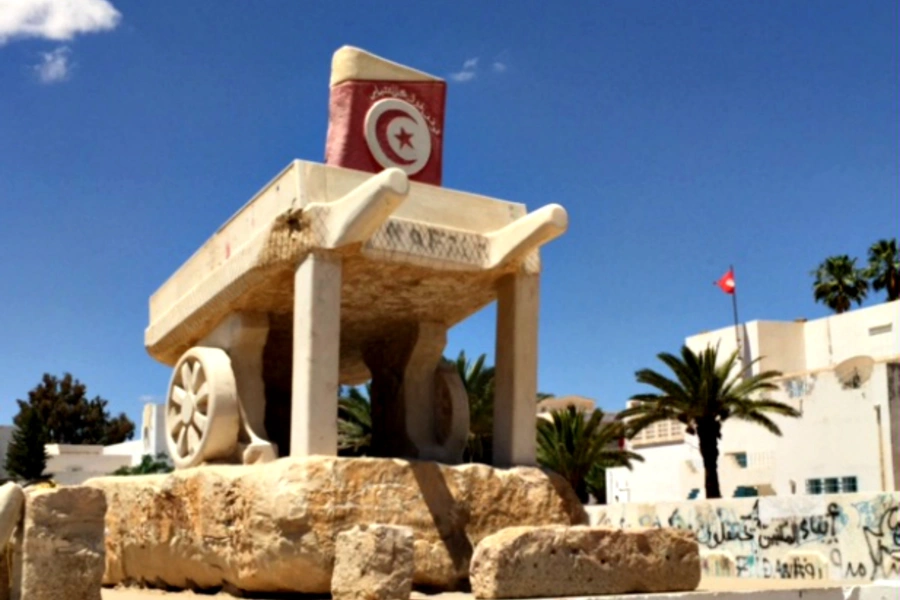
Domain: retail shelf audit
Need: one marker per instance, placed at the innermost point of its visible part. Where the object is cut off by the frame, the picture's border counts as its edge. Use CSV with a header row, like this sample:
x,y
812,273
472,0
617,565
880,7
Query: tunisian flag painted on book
x,y
726,282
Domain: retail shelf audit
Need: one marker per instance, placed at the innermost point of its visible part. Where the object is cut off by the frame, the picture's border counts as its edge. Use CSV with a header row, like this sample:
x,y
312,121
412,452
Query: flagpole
x,y
737,335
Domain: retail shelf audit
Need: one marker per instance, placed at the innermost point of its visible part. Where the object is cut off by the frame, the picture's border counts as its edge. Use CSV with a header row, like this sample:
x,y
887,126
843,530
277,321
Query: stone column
x,y
515,392
316,356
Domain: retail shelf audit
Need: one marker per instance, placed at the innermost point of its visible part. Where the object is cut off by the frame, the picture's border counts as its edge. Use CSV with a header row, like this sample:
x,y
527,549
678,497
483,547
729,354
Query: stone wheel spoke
x,y
200,421
196,376
182,442
186,375
176,426
178,394
201,398
193,439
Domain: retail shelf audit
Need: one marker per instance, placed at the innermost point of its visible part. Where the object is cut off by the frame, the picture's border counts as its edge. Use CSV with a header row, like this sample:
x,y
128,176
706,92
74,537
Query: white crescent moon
x,y
417,157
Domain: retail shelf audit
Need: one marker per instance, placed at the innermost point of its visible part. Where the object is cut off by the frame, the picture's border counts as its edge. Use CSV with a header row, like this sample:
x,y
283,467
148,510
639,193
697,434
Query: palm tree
x,y
703,395
884,268
839,283
355,422
574,447
479,383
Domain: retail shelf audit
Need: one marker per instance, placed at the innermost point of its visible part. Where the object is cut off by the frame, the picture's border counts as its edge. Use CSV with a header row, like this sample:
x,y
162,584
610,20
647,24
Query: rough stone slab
x,y
534,562
373,562
60,550
272,527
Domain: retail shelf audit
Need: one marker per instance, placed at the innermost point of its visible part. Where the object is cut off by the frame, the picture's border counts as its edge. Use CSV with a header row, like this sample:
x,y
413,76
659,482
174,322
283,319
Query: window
x,y
745,491
813,486
848,484
831,485
741,459
694,493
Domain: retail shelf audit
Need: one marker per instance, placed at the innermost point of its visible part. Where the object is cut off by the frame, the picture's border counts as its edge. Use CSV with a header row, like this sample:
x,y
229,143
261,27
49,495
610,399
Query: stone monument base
x,y
272,527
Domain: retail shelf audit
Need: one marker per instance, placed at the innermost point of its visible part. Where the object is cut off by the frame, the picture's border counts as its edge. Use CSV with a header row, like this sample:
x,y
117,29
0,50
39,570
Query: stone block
x,y
373,562
535,562
272,527
60,550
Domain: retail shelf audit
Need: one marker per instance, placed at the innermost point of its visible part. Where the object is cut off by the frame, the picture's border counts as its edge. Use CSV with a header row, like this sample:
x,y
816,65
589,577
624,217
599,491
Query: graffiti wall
x,y
840,536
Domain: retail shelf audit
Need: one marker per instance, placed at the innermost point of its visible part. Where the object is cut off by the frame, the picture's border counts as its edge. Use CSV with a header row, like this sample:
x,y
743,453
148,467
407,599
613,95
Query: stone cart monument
x,y
355,269
335,274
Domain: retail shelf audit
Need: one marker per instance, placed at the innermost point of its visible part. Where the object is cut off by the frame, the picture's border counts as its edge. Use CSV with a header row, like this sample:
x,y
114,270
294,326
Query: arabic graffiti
x,y
713,529
844,536
790,567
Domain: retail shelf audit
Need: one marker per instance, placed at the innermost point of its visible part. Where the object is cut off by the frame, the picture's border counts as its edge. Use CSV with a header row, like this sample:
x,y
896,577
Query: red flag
x,y
726,282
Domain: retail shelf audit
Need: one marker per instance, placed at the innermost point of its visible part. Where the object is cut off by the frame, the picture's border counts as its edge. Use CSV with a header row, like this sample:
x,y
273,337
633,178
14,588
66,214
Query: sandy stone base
x,y
272,527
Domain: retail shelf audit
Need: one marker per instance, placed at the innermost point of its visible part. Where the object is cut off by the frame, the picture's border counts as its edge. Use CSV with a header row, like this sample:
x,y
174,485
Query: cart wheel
x,y
202,413
451,413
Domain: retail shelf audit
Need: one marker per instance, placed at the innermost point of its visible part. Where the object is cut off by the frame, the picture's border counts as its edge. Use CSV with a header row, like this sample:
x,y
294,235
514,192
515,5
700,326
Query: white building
x,y
72,464
841,372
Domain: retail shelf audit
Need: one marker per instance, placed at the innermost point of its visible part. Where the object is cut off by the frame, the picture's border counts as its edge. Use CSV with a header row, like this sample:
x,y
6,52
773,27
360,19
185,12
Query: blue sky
x,y
680,136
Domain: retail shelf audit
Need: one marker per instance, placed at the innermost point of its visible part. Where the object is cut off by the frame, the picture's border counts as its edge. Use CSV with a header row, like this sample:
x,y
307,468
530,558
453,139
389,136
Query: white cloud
x,y
55,19
54,66
462,76
470,68
467,73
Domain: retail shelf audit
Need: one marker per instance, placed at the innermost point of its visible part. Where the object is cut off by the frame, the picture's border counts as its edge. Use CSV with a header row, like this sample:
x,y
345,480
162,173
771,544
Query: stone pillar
x,y
515,392
316,356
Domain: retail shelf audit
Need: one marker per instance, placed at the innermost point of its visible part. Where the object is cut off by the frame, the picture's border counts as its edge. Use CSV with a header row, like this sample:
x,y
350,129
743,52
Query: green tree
x,y
478,379
579,448
884,268
26,456
355,422
703,395
839,283
68,416
148,466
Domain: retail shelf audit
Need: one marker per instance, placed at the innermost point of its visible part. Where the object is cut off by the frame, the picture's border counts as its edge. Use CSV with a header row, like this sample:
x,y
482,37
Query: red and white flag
x,y
726,282
384,115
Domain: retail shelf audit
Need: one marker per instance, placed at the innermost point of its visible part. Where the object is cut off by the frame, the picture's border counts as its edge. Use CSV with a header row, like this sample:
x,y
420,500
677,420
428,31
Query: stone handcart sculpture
x,y
333,275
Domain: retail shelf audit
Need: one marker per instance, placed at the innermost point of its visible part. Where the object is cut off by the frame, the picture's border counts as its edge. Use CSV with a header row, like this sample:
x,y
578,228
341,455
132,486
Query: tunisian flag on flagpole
x,y
726,282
